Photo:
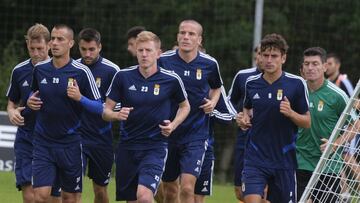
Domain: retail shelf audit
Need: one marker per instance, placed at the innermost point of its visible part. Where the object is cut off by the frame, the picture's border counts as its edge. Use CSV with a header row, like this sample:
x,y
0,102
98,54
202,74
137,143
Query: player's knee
x,y
70,197
187,190
171,191
144,196
41,198
239,194
28,197
100,193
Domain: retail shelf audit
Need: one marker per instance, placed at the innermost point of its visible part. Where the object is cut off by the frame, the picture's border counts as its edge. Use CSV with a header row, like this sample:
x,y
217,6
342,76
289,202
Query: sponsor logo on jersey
x,y
70,82
198,74
320,105
132,88
256,96
156,89
25,84
98,82
279,94
43,81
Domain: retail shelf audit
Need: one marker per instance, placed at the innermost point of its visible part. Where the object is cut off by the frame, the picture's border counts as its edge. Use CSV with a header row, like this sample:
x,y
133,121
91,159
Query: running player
x,y
146,93
57,150
275,105
96,133
202,81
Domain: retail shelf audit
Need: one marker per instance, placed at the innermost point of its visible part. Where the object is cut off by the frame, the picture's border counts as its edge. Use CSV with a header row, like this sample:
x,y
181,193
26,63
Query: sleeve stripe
x,y
214,60
338,91
248,70
303,82
121,70
12,72
173,74
90,77
250,78
111,64
231,112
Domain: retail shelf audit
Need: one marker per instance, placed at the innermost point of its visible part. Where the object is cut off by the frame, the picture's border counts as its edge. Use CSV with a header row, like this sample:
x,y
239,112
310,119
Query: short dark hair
x,y
63,26
316,51
335,56
134,31
274,41
90,34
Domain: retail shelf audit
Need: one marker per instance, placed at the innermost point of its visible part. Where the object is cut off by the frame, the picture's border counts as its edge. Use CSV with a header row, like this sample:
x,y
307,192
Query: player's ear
x,y
71,43
283,58
100,47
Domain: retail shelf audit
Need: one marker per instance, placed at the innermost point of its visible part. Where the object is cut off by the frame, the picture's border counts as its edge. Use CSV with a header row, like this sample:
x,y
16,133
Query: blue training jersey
x,y
58,119
151,99
94,130
272,135
19,91
236,97
199,76
222,114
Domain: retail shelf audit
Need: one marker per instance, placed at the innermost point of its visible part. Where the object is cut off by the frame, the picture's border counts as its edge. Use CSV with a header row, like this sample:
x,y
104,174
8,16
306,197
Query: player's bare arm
x,y
210,103
110,115
169,126
301,120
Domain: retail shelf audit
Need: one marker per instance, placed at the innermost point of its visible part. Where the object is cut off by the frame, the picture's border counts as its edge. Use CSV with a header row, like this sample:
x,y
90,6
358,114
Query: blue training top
x,y
272,135
19,91
94,130
59,117
236,97
151,99
199,76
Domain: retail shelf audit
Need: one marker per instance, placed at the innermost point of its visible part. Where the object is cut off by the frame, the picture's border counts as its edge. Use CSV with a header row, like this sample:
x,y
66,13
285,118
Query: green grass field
x,y
8,192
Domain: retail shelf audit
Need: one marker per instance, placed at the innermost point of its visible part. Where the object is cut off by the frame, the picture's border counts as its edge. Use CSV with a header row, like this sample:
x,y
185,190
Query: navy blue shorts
x,y
23,149
281,183
99,162
58,164
203,185
184,158
238,166
138,167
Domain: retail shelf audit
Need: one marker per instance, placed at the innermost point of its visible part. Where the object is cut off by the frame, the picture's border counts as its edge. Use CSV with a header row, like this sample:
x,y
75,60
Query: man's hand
x,y
15,116
285,107
123,114
208,106
166,128
243,121
34,102
73,92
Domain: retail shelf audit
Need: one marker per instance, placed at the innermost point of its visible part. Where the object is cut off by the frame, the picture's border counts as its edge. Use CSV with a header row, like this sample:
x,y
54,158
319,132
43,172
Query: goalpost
x,y
342,151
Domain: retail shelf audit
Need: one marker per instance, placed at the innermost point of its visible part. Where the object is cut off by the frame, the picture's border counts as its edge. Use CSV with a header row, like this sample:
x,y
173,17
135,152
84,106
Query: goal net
x,y
342,154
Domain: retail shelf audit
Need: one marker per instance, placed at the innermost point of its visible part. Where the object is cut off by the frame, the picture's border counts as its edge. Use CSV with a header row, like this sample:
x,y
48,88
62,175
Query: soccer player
x,y
57,150
333,74
131,38
275,105
202,81
327,102
222,114
146,93
96,133
37,41
236,97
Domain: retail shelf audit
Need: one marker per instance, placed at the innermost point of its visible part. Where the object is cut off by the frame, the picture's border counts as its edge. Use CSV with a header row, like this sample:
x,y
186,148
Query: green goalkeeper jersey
x,y
326,105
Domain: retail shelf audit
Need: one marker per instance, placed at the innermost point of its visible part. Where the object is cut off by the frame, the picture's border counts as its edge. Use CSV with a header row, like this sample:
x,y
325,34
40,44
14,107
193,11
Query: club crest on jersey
x,y
156,89
198,74
98,82
70,82
279,94
320,105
